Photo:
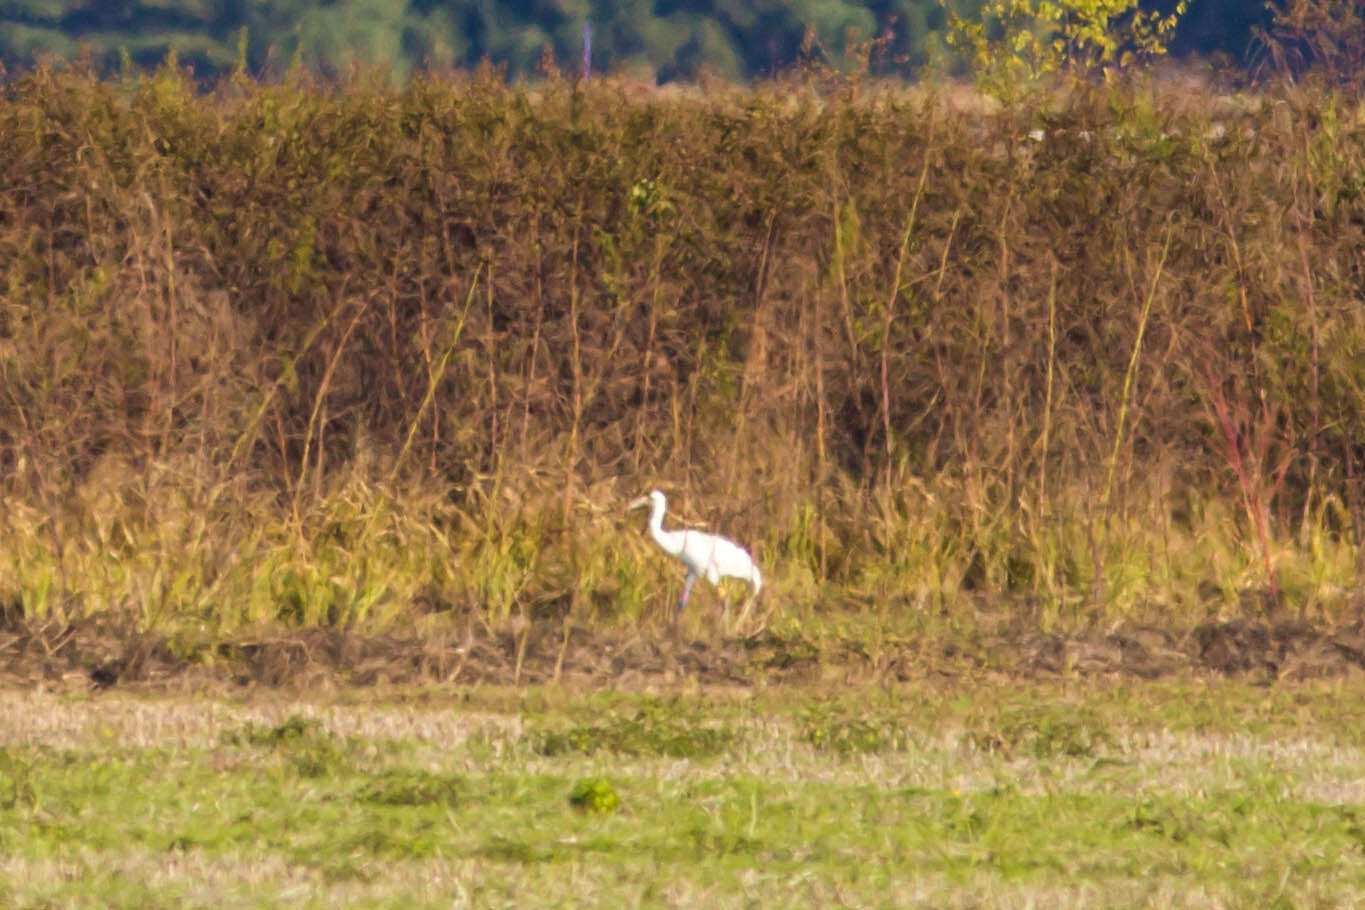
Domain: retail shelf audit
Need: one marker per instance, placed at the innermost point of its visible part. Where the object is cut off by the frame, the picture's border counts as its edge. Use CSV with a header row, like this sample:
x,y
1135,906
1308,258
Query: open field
x,y
320,407
1188,792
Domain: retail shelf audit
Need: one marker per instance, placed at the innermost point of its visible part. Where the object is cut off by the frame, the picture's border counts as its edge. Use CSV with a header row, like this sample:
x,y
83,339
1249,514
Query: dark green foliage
x,y
672,41
594,795
676,39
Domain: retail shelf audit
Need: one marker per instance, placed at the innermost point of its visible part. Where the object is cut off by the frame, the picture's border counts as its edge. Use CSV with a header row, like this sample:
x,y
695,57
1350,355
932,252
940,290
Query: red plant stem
x,y
1249,471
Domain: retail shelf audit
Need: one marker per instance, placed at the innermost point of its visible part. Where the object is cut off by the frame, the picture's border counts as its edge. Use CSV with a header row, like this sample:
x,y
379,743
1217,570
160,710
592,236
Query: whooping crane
x,y
708,555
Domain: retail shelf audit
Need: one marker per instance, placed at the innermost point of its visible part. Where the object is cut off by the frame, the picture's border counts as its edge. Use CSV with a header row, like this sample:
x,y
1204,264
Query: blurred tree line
x,y
659,39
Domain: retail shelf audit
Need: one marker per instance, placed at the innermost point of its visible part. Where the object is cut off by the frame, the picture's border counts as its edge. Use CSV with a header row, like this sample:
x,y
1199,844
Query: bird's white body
x,y
707,555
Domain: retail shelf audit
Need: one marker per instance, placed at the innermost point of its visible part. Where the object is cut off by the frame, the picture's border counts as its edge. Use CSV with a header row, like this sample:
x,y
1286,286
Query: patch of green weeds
x,y
966,819
16,781
594,795
1041,733
722,842
423,838
830,730
293,729
488,743
658,728
303,742
529,852
404,787
1177,824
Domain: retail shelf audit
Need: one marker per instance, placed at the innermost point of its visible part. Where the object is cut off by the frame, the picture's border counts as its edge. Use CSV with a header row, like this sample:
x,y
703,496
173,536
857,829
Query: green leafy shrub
x,y
1017,43
594,795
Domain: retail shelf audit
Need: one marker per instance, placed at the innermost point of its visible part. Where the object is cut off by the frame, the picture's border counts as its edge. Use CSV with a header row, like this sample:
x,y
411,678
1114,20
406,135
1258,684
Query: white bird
x,y
708,555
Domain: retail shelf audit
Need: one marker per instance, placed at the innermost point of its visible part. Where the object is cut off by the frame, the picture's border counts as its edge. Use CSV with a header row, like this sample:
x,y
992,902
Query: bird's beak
x,y
642,501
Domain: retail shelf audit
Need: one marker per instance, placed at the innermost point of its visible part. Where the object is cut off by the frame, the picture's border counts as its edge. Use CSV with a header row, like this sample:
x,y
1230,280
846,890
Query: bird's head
x,y
654,498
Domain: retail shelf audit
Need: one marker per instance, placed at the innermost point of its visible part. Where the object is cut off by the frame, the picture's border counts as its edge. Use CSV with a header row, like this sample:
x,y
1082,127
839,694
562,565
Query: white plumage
x,y
708,555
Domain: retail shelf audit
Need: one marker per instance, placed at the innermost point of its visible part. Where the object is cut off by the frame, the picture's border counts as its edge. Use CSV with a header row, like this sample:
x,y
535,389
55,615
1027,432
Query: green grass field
x,y
1188,793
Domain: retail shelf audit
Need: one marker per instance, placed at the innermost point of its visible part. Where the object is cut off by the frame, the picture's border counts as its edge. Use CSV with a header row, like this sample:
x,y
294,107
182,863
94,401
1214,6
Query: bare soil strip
x,y
92,655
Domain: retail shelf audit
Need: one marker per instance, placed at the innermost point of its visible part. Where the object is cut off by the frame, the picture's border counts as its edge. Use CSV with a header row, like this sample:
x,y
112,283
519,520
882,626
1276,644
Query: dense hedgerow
x,y
308,353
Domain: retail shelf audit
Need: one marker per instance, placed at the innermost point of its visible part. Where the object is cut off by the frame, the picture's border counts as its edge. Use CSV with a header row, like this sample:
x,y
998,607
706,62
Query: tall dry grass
x,y
295,354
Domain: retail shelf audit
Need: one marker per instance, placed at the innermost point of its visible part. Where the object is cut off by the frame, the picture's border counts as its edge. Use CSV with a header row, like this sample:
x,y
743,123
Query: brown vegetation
x,y
297,356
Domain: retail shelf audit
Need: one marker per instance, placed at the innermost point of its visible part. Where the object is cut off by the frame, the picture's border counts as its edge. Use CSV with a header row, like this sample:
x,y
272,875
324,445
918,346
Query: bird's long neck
x,y
671,543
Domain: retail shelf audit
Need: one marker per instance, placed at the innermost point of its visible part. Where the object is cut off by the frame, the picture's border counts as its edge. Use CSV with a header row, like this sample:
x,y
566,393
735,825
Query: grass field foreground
x,y
1188,793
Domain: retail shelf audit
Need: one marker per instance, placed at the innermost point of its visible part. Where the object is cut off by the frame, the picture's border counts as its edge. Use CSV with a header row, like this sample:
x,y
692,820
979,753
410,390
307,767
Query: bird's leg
x,y
687,592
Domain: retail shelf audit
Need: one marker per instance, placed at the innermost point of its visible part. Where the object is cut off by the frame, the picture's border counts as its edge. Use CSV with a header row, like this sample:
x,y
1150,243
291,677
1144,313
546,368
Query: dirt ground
x,y
94,654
